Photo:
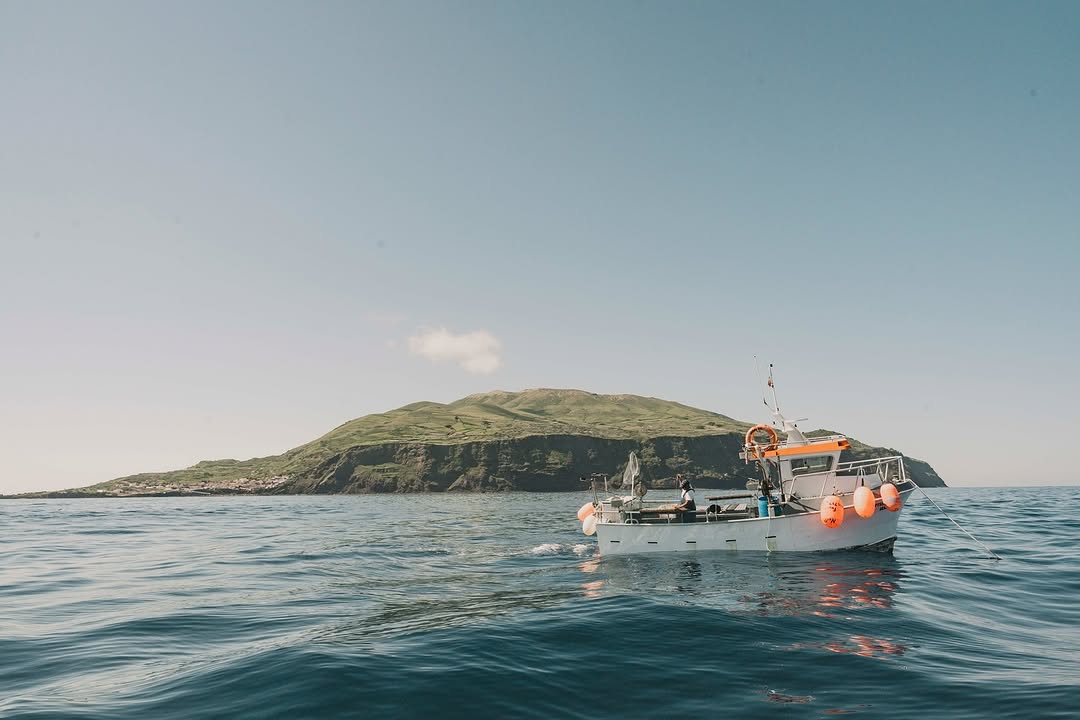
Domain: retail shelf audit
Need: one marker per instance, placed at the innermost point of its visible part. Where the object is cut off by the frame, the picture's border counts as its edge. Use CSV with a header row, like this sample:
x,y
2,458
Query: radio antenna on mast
x,y
794,435
776,405
757,374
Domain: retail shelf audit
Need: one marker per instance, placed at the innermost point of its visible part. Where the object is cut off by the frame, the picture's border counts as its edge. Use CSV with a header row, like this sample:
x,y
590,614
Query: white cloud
x,y
477,352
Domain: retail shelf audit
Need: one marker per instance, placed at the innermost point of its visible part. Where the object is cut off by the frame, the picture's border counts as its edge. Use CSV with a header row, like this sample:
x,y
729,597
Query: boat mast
x,y
793,435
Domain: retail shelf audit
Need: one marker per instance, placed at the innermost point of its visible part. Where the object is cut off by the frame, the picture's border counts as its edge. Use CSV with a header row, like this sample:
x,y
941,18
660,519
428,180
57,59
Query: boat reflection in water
x,y
842,586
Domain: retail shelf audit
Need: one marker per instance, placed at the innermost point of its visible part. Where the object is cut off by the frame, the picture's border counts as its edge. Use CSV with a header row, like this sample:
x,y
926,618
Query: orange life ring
x,y
774,439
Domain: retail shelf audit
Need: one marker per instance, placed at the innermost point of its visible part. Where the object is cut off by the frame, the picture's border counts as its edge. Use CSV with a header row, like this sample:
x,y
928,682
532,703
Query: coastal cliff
x,y
546,463
534,440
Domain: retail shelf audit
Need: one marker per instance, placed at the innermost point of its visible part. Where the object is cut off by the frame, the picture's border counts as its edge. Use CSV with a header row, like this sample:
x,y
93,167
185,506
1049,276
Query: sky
x,y
226,228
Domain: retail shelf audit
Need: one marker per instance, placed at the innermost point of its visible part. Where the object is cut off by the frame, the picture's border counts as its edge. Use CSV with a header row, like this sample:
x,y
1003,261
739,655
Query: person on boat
x,y
687,507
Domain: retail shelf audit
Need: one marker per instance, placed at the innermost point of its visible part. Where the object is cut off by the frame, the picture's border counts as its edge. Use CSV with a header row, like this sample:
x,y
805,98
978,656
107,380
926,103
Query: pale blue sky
x,y
222,222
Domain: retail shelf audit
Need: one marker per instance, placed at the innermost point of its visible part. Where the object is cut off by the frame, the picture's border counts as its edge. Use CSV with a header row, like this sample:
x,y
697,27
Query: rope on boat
x,y
984,546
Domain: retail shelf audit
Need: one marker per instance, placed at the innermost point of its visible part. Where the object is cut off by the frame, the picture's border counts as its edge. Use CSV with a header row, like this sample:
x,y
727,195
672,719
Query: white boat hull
x,y
801,532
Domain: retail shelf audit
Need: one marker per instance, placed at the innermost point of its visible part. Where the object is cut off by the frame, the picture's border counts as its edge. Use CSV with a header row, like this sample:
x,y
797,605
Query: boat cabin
x,y
811,467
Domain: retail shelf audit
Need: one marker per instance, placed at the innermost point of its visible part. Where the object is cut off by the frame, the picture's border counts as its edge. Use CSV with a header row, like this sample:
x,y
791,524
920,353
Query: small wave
x,y
578,549
779,697
547,549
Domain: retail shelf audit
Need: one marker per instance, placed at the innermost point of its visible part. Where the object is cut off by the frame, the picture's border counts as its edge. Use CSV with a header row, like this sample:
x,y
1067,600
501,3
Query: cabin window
x,y
802,466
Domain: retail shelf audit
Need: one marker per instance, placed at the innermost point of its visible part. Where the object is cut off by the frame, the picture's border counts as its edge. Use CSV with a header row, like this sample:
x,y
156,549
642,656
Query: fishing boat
x,y
805,501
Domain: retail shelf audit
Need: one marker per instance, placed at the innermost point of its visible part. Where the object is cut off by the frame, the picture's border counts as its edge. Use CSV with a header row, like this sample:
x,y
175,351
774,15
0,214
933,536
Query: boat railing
x,y
814,440
887,469
878,464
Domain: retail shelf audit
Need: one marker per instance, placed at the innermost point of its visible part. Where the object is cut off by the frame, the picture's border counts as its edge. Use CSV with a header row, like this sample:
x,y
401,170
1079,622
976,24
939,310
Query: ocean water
x,y
497,606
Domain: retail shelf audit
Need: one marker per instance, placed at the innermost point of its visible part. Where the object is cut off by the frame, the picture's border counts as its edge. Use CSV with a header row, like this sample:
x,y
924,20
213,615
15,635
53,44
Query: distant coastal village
x,y
128,488
210,487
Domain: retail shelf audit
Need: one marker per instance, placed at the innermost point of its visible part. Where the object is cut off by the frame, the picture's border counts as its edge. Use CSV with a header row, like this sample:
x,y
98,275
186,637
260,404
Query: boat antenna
x,y
776,405
977,541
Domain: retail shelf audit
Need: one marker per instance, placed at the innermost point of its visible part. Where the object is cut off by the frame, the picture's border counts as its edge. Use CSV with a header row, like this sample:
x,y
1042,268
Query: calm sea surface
x,y
497,606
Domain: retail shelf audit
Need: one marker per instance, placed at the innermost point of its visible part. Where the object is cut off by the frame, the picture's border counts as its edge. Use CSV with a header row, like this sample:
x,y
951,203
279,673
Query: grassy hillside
x,y
507,415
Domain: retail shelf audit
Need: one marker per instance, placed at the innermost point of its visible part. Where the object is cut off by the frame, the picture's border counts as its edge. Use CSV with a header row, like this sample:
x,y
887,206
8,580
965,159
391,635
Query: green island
x,y
533,440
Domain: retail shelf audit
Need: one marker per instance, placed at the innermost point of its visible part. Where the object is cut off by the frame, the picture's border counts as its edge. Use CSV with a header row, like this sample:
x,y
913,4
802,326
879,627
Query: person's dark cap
x,y
684,483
